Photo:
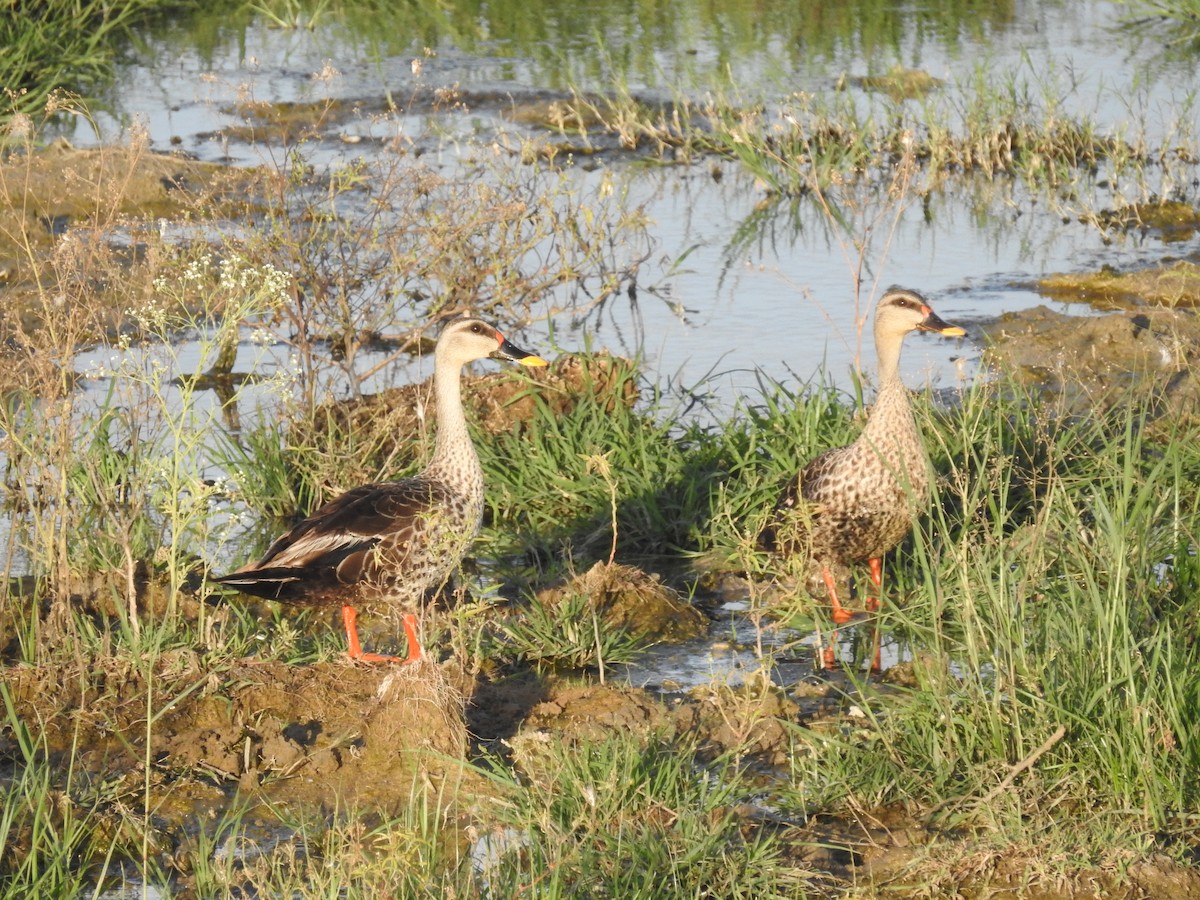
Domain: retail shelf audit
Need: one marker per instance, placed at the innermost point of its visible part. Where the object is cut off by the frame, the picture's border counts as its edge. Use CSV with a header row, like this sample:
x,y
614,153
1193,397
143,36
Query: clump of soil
x,y
322,735
583,713
81,243
1172,220
632,600
1090,362
287,123
1172,285
43,194
898,82
750,719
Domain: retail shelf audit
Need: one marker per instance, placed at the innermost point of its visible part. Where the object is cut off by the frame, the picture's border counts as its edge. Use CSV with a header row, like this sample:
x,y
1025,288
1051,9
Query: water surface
x,y
783,301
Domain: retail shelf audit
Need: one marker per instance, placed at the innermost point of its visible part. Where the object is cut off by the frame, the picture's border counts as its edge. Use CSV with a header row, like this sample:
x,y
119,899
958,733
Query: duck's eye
x,y
476,329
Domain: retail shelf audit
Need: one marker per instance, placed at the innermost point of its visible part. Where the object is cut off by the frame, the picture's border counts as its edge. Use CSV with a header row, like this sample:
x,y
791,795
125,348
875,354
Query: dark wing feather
x,y
367,513
825,478
333,547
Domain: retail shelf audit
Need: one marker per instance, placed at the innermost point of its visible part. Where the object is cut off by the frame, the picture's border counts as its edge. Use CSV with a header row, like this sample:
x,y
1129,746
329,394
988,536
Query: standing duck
x,y
856,502
392,541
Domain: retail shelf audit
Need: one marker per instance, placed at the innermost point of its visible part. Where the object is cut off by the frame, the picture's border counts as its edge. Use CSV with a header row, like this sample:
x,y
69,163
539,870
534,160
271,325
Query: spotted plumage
x,y
855,503
393,541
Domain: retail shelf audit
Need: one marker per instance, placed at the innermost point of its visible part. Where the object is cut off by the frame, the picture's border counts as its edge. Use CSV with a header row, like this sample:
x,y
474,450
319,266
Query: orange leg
x,y
829,656
873,604
876,565
355,650
840,615
876,658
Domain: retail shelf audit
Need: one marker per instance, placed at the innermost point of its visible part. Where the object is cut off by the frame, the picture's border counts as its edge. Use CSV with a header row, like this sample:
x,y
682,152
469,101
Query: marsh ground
x,y
196,350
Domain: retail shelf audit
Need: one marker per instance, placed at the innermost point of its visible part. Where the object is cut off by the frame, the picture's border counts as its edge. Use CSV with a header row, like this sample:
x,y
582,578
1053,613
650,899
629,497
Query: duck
x,y
855,503
392,542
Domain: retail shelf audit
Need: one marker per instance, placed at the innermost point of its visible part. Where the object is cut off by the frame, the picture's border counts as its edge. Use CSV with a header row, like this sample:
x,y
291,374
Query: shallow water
x,y
783,302
736,651
778,304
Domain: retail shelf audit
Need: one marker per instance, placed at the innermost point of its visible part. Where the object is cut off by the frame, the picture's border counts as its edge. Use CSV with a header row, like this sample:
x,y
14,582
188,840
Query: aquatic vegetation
x,y
1178,19
56,44
1169,285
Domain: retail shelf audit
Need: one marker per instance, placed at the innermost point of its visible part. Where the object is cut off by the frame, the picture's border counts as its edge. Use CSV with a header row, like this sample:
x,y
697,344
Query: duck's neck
x,y
891,415
887,352
454,459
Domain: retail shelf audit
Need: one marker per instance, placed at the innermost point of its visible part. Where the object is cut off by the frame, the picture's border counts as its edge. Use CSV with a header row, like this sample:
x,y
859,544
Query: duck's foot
x,y
841,615
826,653
354,647
876,642
829,659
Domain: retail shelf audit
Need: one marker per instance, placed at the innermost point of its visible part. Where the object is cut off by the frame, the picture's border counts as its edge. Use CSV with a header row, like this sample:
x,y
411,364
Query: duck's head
x,y
901,310
468,339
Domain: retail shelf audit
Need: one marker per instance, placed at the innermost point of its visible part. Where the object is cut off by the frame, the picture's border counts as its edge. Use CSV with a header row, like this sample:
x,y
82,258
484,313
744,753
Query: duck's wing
x,y
333,545
811,491
827,479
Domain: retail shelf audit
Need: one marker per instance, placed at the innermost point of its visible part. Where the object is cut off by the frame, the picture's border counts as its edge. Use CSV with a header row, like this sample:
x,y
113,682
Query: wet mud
x,y
328,737
1094,362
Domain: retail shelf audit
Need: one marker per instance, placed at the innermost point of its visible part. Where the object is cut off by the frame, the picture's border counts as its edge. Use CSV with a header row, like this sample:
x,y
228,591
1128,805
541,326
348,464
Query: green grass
x,y
51,45
547,491
1052,587
568,635
1047,605
623,818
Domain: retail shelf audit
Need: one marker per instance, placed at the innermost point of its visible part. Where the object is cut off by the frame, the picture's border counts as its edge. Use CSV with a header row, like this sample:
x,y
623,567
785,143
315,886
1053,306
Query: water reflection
x,y
738,280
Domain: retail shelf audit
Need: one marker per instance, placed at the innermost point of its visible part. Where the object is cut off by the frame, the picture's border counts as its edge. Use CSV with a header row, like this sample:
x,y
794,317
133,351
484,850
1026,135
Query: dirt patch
x,y
321,735
909,860
337,736
44,194
1172,284
1092,361
751,720
1170,219
580,713
583,714
898,82
890,852
83,239
283,123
